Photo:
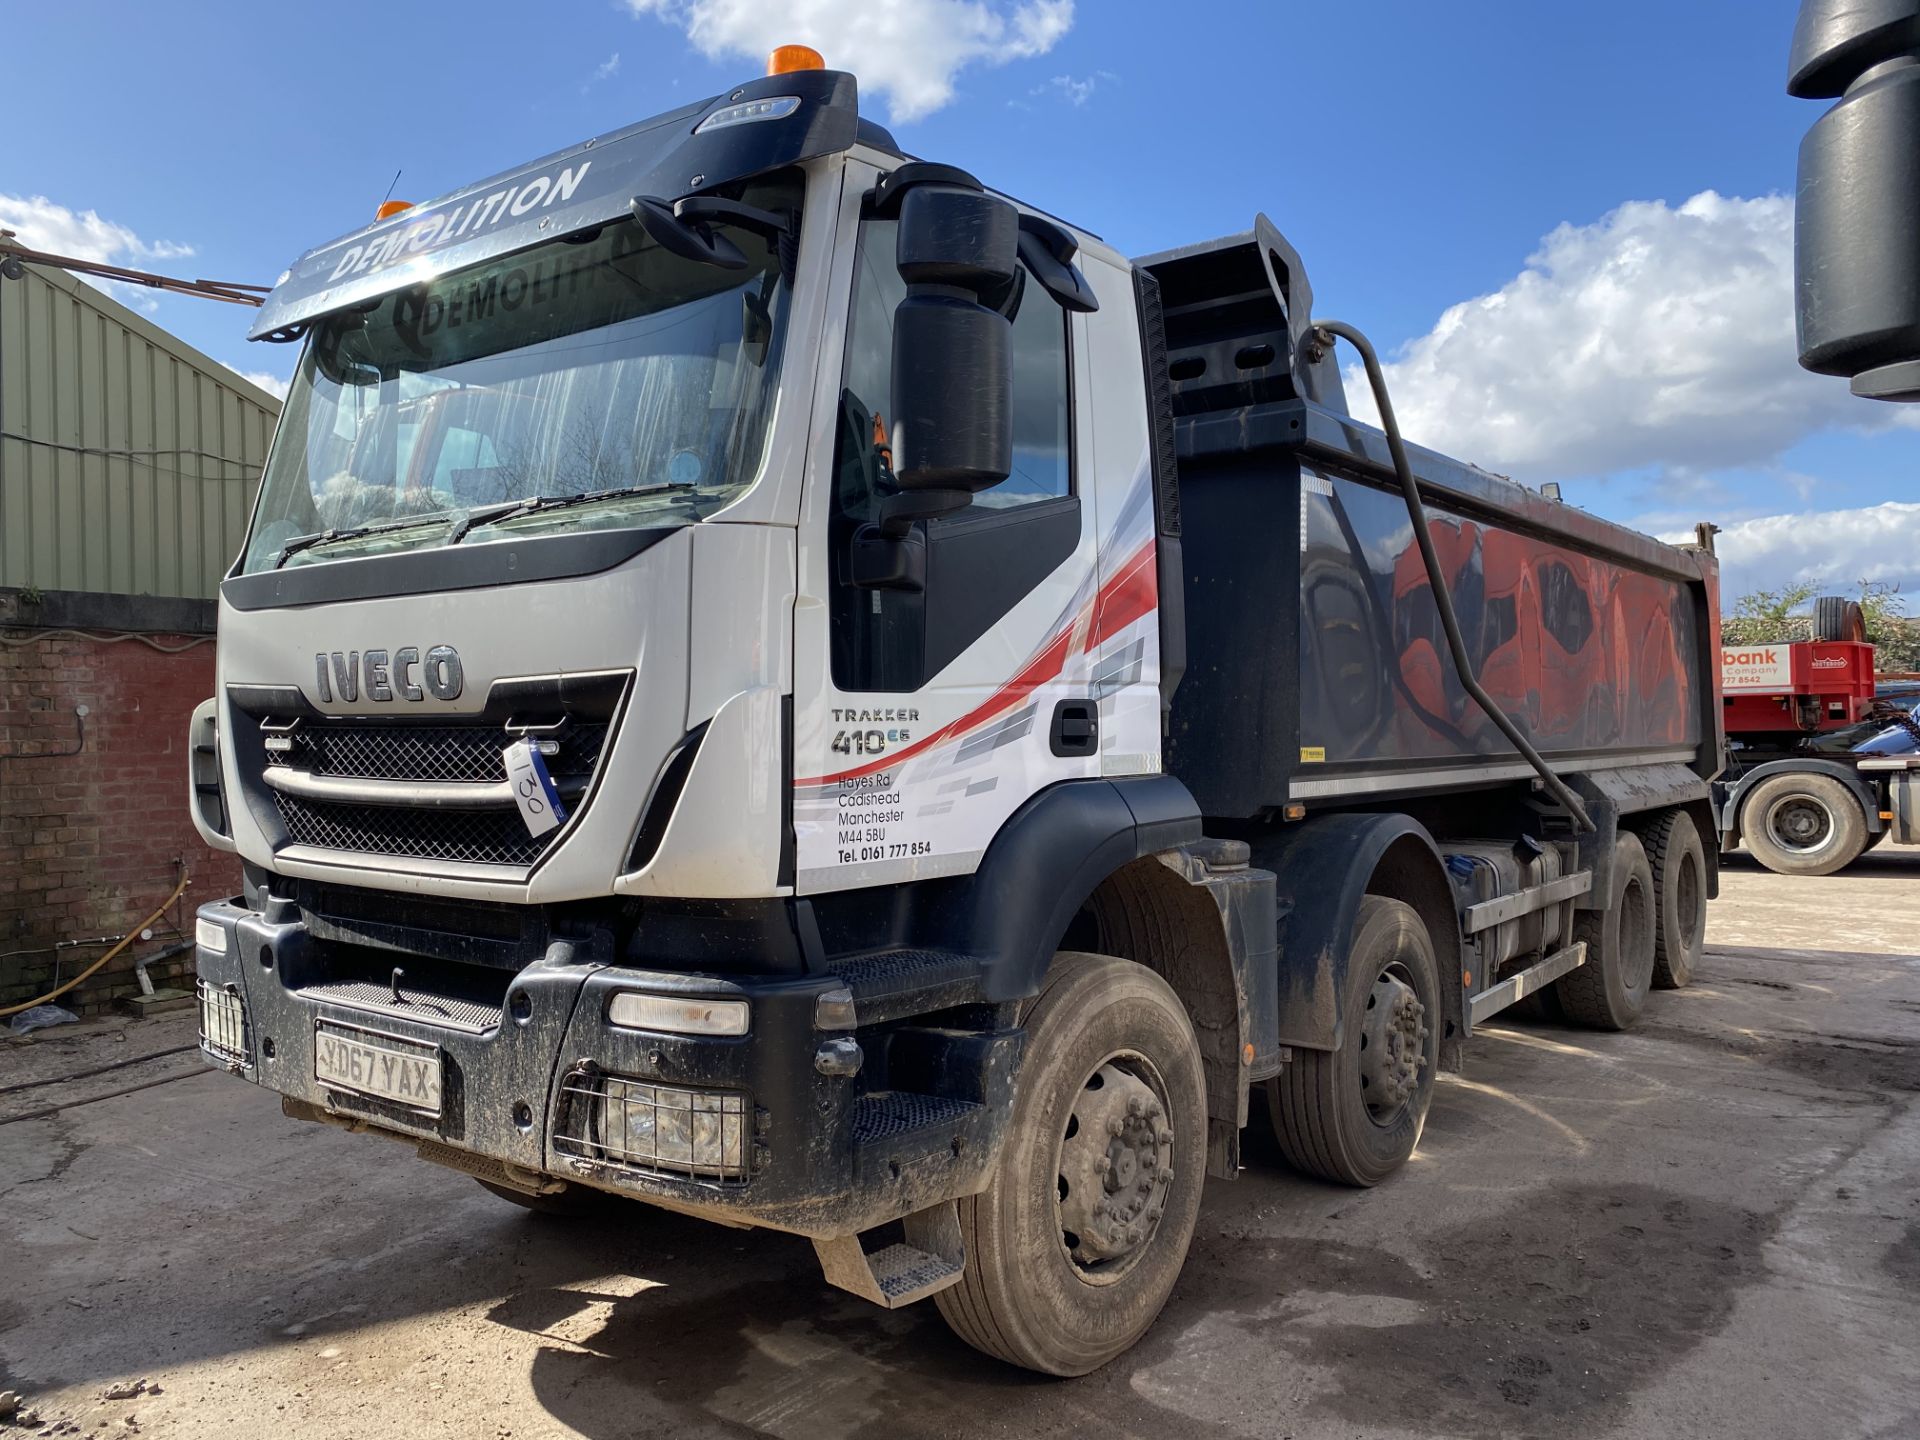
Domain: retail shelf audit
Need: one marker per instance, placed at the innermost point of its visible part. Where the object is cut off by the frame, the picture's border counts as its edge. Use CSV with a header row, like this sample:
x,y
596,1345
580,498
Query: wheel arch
x,y
1324,866
1202,920
1046,862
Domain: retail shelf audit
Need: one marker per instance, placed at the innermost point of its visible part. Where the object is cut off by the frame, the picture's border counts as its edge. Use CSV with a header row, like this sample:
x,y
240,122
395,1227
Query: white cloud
x,y
910,51
1075,91
605,70
40,224
1835,549
266,380
1656,336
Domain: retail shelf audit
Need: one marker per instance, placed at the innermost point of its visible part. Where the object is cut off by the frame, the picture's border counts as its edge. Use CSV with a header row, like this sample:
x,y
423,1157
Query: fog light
x,y
663,1127
210,935
678,1015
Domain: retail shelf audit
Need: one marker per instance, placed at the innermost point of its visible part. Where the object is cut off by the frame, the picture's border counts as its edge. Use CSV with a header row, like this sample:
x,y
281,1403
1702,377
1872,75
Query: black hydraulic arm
x,y
1442,595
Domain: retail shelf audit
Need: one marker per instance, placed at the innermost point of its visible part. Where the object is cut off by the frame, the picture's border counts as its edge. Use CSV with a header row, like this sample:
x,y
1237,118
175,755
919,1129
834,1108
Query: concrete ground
x,y
1707,1227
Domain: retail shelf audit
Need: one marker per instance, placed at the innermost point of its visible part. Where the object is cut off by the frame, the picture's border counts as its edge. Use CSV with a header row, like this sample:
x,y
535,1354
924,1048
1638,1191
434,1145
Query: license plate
x,y
406,1077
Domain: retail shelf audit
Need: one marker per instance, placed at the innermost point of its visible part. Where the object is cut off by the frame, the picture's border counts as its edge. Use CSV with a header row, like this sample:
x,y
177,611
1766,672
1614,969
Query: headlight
x,y
678,1015
210,935
656,1129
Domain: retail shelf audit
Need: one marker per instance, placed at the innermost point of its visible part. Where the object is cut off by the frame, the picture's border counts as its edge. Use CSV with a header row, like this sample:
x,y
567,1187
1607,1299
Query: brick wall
x,y
89,842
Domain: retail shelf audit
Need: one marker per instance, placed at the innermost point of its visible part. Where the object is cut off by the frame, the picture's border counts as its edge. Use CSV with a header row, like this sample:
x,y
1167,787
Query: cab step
x,y
897,984
931,1260
898,1117
906,1144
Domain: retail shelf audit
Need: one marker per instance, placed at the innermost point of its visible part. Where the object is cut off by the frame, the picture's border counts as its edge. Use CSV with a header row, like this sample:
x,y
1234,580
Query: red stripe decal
x,y
1131,593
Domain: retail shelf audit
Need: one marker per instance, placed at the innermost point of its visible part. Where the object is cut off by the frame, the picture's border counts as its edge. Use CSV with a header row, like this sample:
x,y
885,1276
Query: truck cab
x,y
701,711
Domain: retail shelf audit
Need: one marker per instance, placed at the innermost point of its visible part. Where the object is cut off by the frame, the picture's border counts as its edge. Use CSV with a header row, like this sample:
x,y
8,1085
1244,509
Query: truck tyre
x,y
1354,1115
1679,866
1803,824
1076,1242
1837,618
1610,990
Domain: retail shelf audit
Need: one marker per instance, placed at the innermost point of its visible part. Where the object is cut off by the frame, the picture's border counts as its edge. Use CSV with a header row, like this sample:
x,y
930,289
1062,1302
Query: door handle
x,y
1076,728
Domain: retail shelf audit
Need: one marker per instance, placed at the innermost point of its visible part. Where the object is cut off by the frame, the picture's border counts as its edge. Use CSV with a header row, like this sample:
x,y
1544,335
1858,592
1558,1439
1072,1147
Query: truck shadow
x,y
1379,1337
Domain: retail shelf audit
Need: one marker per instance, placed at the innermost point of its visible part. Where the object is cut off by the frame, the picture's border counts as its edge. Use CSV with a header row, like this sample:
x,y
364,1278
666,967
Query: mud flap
x,y
928,1261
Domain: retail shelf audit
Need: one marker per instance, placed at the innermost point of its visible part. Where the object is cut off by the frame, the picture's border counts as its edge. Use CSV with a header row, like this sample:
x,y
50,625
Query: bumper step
x,y
898,1117
896,984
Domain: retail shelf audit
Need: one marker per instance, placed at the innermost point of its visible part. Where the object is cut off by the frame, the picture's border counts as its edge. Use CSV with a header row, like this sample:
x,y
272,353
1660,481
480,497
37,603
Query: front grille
x,y
483,837
470,753
223,1024
649,1129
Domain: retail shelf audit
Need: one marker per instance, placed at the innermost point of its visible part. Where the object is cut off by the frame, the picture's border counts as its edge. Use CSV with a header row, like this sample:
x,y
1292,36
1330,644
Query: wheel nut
x,y
1102,1164
1114,1127
1136,1107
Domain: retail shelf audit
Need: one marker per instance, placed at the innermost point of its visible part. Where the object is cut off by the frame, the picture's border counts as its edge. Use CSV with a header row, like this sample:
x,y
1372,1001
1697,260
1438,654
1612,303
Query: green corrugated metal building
x,y
128,459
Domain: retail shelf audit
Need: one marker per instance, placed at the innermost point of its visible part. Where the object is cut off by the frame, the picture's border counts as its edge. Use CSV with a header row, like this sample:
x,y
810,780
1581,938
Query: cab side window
x,y
1042,431
881,637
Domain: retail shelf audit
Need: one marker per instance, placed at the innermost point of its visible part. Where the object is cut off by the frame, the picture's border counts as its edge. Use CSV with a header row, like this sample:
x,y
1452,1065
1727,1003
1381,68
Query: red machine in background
x,y
1802,688
1819,769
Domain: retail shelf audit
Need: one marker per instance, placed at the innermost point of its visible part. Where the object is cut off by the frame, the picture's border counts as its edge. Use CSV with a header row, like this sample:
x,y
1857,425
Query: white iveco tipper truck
x,y
773,680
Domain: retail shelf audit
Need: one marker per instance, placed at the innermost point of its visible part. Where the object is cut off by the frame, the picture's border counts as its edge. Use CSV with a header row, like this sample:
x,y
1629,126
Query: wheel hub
x,y
1393,1046
1801,824
1116,1166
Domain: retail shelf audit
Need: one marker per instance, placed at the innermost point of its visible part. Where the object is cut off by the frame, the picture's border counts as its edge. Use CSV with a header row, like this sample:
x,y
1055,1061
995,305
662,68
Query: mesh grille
x,y
434,1009
485,837
469,753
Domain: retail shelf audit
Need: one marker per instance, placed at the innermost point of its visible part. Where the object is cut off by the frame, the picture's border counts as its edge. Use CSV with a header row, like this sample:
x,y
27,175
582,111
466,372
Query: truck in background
x,y
769,679
1820,766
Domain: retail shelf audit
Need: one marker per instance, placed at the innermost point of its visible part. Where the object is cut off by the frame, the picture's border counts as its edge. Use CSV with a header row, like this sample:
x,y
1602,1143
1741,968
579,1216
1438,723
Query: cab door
x,y
924,717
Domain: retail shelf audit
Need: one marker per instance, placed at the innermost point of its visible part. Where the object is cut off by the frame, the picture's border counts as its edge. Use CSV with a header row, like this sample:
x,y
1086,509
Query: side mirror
x,y
1857,224
952,351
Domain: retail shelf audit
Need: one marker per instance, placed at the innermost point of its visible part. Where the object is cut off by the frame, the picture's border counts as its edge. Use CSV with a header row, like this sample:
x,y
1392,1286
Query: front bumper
x,y
818,1154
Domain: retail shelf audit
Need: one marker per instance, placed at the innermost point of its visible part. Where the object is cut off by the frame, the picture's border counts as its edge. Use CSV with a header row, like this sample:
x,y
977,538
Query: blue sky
x,y
1421,157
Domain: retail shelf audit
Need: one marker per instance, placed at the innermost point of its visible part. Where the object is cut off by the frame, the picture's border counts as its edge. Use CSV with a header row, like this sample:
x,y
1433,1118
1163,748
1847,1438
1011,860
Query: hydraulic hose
x,y
126,940
1436,577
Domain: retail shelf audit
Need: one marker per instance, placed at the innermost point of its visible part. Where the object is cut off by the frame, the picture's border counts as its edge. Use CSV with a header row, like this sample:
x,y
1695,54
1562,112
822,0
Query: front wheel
x,y
1076,1243
1354,1115
1803,824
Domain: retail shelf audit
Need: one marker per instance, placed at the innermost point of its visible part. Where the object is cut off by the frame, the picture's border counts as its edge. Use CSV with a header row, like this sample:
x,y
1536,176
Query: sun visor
x,y
670,156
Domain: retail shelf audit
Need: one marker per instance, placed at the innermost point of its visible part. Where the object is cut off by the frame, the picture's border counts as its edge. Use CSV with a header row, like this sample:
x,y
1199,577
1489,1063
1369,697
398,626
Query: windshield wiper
x,y
353,532
513,510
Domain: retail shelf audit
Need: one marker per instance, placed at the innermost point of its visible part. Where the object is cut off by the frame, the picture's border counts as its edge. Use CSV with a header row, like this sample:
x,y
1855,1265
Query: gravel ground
x,y
1709,1226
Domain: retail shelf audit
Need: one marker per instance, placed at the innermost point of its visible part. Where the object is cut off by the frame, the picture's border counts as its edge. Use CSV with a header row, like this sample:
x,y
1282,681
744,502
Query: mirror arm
x,y
717,209
689,239
1047,250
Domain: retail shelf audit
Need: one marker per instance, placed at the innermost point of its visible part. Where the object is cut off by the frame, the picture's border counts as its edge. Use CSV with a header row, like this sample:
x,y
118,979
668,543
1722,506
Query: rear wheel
x,y
1803,824
1679,866
1354,1115
1610,990
1076,1243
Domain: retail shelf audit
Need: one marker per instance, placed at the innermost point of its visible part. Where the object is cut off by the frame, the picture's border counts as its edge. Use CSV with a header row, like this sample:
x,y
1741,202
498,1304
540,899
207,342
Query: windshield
x,y
611,381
